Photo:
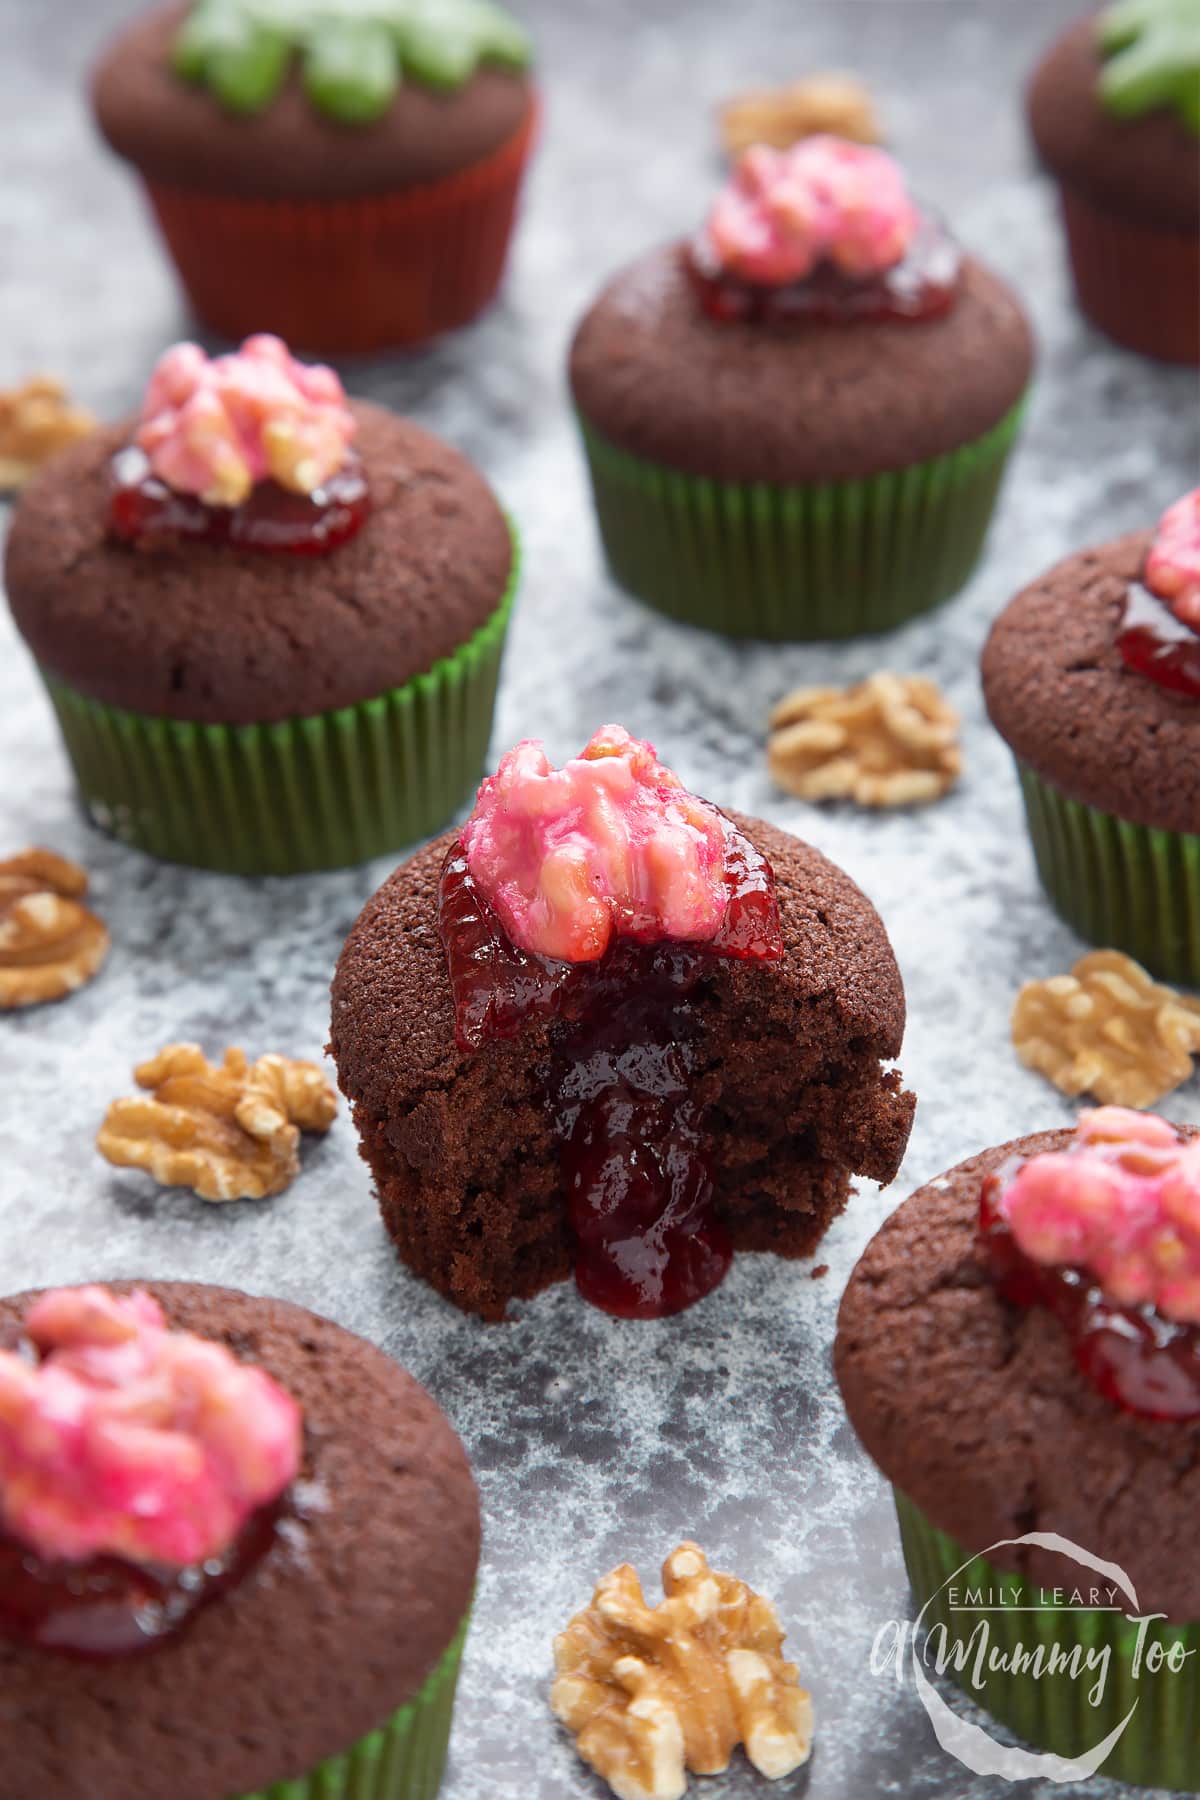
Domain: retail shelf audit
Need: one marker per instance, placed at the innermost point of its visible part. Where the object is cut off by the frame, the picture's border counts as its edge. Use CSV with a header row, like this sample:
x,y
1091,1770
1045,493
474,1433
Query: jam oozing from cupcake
x,y
1159,634
825,230
251,450
143,1472
598,894
1106,1234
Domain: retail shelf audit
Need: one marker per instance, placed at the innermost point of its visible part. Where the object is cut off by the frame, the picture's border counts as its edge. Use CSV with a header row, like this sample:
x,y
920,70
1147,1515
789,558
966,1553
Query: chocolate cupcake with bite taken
x,y
270,619
797,421
237,1552
1019,1352
1092,677
1114,107
607,1029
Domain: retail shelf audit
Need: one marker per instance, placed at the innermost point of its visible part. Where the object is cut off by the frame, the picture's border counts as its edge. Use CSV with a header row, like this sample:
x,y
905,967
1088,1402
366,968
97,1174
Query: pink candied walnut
x,y
1172,568
825,199
215,427
1123,1202
128,1439
611,843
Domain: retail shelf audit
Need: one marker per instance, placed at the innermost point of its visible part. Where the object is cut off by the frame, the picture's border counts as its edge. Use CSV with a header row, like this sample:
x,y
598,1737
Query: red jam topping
x,y
825,230
1160,626
142,1471
1106,1234
250,449
143,510
620,1080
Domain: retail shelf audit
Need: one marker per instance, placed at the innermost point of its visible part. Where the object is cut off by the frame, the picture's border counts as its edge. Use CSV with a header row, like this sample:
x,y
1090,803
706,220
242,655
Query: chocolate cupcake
x,y
1114,108
349,182
1019,1352
797,422
237,1551
270,620
607,1028
1092,677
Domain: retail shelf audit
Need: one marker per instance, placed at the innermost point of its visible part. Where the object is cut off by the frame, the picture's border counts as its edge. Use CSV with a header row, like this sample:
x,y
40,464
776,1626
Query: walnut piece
x,y
651,1692
1107,1029
781,116
891,740
49,943
36,419
228,1133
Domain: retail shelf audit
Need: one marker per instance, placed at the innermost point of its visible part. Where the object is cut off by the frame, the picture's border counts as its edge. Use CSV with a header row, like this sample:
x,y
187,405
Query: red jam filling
x,y
1157,643
619,1083
145,512
1137,1358
106,1607
923,285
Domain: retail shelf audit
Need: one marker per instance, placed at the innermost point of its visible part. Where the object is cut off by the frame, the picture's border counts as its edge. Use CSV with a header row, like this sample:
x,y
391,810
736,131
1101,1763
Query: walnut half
x,y
229,1133
651,1692
891,740
1107,1029
36,420
50,944
783,115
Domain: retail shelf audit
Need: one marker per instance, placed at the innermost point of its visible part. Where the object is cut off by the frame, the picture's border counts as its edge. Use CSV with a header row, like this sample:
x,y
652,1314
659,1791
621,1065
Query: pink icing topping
x,y
611,843
216,426
785,211
128,1439
1122,1202
1173,564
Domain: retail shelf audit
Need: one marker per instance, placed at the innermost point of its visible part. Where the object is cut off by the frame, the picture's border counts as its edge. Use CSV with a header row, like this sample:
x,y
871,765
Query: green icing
x,y
1152,58
353,53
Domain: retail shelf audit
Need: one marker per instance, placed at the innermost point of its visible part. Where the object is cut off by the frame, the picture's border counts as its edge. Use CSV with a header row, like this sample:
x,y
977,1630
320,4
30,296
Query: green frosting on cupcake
x,y
353,53
1152,58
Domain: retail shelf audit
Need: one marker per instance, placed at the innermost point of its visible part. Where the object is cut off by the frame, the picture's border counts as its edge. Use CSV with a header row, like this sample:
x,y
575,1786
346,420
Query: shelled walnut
x,y
50,944
891,740
229,1133
651,1692
781,116
1107,1029
36,420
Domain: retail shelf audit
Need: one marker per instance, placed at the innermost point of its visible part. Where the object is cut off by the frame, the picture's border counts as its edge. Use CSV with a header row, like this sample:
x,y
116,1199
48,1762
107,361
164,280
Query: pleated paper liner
x,y
349,275
312,793
1159,1747
829,559
404,1760
1137,282
1124,886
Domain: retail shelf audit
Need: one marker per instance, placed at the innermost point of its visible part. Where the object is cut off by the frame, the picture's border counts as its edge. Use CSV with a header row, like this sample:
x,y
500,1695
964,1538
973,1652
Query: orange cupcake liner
x,y
349,275
1138,283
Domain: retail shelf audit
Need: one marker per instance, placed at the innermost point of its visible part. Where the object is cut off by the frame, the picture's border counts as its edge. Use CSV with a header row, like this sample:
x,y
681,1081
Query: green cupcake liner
x,y
403,1760
831,559
1160,1745
310,793
1128,887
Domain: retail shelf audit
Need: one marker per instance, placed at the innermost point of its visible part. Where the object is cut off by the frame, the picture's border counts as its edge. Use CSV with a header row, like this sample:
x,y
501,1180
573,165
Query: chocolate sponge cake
x,y
977,1411
353,1612
790,1072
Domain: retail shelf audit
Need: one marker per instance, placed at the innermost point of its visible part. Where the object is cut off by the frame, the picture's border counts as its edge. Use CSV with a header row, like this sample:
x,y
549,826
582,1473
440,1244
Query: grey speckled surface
x,y
593,1440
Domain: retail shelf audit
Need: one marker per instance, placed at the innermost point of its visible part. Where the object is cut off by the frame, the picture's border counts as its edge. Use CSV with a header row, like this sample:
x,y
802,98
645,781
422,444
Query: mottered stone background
x,y
593,1440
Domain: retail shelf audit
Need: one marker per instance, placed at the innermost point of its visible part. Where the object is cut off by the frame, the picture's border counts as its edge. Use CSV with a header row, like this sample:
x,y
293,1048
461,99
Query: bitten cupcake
x,y
609,1029
270,619
345,177
1019,1352
237,1552
796,422
1114,108
1092,677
